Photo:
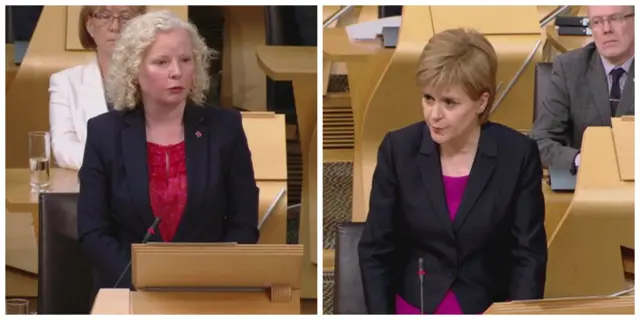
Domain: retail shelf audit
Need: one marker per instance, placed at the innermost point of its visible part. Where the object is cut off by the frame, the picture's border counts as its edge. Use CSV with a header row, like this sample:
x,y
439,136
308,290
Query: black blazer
x,y
114,210
494,250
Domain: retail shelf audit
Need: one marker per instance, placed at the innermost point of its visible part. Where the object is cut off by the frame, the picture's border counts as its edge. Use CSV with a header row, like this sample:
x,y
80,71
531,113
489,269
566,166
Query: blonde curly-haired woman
x,y
163,153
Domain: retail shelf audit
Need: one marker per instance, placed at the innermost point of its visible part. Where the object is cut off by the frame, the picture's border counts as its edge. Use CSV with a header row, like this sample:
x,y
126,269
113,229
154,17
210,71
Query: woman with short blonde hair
x,y
163,155
456,218
76,94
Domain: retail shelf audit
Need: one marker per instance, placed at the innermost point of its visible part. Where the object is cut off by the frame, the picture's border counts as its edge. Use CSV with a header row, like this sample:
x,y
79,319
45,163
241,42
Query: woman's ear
x,y
484,99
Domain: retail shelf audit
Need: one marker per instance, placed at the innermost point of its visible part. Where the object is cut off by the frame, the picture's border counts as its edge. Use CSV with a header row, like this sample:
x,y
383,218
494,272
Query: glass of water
x,y
17,306
39,159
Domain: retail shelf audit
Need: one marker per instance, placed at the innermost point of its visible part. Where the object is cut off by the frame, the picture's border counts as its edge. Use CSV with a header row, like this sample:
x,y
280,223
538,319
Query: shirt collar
x,y
608,66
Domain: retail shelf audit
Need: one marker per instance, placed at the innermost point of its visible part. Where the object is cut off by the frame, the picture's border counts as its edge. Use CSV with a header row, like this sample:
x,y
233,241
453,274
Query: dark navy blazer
x,y
114,210
494,250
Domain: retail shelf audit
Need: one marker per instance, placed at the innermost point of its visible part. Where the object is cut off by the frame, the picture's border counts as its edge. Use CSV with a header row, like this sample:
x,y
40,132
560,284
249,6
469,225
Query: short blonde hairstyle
x,y
460,57
122,87
86,40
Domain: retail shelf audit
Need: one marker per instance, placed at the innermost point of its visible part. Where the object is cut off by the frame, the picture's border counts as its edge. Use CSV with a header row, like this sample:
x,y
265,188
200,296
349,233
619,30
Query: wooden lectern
x,y
590,305
591,250
208,278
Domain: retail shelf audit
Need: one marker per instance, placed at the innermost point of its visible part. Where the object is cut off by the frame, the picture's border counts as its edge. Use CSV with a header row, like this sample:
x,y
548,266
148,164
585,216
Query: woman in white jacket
x,y
77,94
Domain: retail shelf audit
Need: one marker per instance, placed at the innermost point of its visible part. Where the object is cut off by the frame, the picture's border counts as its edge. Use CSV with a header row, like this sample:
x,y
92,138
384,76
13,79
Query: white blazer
x,y
75,96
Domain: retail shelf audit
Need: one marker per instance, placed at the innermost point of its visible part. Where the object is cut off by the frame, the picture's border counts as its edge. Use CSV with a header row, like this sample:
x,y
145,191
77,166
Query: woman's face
x,y
167,71
451,113
106,23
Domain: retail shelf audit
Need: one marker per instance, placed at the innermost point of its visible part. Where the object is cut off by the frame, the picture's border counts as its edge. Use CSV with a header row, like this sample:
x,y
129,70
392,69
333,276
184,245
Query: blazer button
x,y
451,274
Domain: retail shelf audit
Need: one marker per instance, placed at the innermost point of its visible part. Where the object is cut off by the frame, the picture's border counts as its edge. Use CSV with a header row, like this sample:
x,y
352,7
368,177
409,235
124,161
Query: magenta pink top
x,y
453,190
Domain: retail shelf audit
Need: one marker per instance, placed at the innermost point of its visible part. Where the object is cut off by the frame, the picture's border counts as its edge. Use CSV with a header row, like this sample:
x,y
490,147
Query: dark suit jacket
x,y
577,97
494,250
114,209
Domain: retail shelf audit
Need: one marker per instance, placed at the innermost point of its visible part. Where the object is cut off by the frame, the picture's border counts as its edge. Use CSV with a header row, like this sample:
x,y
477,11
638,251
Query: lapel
x,y
196,138
626,107
481,172
599,88
431,171
134,153
94,89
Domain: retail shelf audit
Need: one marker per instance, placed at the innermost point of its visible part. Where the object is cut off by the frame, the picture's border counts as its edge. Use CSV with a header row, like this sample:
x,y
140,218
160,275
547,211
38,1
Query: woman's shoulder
x,y
505,133
220,116
107,122
510,139
71,73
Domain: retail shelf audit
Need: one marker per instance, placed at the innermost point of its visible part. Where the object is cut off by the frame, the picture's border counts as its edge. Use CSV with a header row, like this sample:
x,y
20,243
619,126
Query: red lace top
x,y
167,185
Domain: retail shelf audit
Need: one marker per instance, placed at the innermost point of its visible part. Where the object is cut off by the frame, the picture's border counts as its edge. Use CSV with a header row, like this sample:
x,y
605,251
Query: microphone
x,y
151,231
421,274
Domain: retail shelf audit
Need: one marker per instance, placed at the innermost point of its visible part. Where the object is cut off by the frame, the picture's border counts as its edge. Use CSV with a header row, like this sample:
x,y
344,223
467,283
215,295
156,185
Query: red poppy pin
x,y
198,134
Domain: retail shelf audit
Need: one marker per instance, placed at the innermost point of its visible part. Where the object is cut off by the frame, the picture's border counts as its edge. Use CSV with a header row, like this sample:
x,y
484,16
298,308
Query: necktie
x,y
614,95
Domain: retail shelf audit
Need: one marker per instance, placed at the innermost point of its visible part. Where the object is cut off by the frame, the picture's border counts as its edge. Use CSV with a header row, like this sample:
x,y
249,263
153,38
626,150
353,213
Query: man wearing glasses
x,y
588,86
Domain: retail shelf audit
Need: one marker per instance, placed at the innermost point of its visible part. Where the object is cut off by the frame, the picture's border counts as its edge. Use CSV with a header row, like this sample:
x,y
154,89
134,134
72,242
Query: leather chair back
x,y
542,79
348,292
65,283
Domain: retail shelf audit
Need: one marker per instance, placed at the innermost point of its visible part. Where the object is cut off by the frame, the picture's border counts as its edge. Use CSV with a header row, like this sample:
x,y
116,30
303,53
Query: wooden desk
x,y
556,206
122,301
603,305
365,62
587,249
299,65
22,217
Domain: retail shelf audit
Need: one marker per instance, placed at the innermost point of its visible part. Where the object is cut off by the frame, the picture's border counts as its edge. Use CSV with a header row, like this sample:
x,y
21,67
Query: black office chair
x,y
65,282
348,292
542,79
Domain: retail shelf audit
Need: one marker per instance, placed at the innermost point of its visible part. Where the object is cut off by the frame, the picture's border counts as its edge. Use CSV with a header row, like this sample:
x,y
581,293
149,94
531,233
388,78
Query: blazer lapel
x,y
134,152
196,140
431,171
92,82
481,172
597,81
626,107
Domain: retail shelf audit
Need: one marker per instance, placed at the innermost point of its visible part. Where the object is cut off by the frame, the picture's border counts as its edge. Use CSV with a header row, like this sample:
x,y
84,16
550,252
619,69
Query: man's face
x,y
613,31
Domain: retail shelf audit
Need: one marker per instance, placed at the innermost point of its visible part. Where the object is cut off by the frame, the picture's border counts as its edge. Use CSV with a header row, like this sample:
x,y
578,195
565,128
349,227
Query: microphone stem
x,y
122,274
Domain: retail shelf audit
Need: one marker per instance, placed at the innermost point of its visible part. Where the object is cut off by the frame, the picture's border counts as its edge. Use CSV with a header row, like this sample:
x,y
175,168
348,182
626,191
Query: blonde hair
x,y
122,87
460,57
86,40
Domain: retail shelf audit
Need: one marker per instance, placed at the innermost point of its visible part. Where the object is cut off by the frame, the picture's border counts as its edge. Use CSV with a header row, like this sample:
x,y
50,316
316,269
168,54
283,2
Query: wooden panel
x,y
600,220
21,244
603,305
623,138
267,140
243,83
20,284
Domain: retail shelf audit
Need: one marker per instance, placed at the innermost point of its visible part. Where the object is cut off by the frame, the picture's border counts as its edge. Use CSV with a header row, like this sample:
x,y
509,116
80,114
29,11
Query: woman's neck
x,y
104,60
465,144
163,116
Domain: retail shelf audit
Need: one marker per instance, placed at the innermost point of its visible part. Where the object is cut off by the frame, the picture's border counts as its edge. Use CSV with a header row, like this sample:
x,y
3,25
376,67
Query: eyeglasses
x,y
614,19
108,17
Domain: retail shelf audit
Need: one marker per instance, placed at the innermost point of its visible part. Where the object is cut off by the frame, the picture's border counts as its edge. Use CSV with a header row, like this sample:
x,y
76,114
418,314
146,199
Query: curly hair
x,y
122,88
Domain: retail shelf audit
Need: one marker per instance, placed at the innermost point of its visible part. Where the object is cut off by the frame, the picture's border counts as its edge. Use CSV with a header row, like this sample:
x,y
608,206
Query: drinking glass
x,y
39,159
17,306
